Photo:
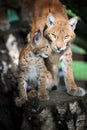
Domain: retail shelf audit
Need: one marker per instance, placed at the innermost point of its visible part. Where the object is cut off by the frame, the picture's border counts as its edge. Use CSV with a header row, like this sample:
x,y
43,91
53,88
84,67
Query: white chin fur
x,y
44,55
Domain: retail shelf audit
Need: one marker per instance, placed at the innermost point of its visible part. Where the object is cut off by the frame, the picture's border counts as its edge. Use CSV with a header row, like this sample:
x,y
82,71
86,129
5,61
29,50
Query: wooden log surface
x,y
61,112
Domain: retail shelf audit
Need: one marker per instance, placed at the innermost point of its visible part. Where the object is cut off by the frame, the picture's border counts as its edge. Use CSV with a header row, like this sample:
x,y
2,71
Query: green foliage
x,y
77,49
70,13
80,70
12,15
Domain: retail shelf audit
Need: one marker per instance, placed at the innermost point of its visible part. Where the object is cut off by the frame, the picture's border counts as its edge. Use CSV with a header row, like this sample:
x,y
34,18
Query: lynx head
x,y
40,45
60,32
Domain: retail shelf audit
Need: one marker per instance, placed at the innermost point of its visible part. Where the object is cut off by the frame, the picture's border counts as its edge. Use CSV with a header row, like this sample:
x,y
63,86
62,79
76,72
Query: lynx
x,y
32,70
50,16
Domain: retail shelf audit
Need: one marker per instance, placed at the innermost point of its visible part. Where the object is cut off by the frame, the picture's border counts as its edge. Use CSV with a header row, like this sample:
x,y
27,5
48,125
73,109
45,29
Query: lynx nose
x,y
58,48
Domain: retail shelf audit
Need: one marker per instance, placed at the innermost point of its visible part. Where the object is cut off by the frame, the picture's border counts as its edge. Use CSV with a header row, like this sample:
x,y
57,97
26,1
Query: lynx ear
x,y
50,20
37,37
72,23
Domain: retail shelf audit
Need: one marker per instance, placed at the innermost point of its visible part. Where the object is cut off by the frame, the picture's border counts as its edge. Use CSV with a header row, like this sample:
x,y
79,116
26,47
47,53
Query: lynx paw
x,y
32,94
77,92
20,101
43,96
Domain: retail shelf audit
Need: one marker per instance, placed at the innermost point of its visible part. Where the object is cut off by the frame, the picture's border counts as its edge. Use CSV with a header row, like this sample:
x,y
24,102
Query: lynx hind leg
x,y
22,90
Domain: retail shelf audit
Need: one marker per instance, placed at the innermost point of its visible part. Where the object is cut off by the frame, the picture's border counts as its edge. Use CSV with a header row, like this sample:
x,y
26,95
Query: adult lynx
x,y
50,16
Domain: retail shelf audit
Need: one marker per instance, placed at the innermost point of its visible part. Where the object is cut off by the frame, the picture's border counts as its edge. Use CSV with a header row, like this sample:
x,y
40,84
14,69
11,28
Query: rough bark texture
x,y
65,113
61,112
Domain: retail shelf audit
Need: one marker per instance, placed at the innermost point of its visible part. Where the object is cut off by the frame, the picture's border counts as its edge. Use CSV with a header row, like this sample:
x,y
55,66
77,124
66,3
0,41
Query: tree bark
x,y
61,112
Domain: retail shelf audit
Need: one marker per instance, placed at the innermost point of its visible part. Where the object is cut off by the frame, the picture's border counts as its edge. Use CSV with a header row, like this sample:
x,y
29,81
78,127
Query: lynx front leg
x,y
72,88
42,92
22,84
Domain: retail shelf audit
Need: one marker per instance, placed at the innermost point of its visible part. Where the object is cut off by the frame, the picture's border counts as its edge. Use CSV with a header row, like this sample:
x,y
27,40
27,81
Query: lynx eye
x,y
66,37
48,34
47,46
53,35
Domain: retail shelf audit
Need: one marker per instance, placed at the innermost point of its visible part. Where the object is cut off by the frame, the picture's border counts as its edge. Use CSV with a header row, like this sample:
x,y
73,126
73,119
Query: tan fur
x,y
60,33
33,72
39,10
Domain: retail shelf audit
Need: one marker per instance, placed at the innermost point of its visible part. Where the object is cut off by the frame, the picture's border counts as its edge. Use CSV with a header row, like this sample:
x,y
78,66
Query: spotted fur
x,y
32,70
50,16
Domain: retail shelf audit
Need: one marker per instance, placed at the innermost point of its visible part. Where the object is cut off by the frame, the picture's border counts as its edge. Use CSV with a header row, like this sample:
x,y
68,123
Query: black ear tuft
x,y
38,32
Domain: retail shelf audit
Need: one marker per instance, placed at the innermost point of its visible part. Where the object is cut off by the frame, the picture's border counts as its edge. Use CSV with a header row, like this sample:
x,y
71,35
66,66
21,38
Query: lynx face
x,y
41,45
60,34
